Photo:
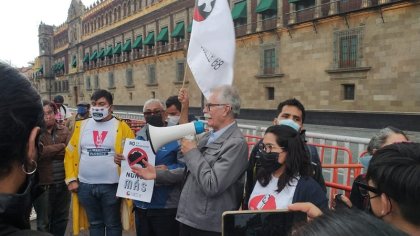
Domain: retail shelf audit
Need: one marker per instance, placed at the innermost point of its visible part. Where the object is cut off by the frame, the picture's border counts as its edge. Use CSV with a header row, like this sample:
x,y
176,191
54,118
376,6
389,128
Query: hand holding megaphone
x,y
159,136
187,145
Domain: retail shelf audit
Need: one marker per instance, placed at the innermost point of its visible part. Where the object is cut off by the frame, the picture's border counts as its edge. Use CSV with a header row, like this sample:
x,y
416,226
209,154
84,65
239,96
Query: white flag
x,y
211,50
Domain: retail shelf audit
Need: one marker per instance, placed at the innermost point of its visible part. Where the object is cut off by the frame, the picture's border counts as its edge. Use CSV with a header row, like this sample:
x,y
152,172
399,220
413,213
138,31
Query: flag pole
x,y
186,68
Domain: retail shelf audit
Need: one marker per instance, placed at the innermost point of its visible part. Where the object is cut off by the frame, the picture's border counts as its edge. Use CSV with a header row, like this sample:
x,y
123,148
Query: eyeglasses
x,y
363,190
149,113
268,148
208,105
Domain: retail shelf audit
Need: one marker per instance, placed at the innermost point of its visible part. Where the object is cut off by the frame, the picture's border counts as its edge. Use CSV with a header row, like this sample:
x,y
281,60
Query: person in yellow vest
x,y
91,174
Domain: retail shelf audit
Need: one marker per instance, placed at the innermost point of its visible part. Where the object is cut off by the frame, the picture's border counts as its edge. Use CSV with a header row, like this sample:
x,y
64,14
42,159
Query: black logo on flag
x,y
202,9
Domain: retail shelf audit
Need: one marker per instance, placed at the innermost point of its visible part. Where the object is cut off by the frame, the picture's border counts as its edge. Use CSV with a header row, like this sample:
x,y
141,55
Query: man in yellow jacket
x,y
91,173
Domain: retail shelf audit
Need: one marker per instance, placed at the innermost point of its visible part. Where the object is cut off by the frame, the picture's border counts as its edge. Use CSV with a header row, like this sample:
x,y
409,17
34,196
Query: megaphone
x,y
159,136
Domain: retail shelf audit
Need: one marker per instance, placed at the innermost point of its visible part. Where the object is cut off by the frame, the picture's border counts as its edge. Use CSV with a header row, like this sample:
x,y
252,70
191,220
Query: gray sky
x,y
19,26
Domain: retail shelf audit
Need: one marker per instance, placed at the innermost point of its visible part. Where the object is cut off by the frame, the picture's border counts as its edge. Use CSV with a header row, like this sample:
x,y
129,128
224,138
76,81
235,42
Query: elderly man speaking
x,y
216,166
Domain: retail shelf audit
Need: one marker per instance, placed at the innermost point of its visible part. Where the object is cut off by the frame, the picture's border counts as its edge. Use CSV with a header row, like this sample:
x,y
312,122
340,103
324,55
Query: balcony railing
x,y
331,8
163,48
178,45
269,24
149,51
240,30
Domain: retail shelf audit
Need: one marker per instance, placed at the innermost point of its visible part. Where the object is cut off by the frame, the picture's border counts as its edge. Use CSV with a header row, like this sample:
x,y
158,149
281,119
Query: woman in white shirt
x,y
283,173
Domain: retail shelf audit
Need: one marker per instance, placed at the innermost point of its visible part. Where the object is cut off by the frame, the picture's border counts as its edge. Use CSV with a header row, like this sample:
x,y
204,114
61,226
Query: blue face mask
x,y
289,123
82,110
365,160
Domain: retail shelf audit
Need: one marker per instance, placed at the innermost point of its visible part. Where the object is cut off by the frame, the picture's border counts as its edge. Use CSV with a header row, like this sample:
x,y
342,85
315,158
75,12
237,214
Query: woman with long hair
x,y
283,173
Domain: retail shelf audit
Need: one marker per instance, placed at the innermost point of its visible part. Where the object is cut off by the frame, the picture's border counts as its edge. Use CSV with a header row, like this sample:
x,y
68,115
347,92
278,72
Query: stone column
x,y
279,13
249,17
366,3
318,9
333,7
259,19
292,13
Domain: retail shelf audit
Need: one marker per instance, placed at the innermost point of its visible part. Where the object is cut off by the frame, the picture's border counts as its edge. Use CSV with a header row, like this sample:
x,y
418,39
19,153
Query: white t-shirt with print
x,y
267,198
97,146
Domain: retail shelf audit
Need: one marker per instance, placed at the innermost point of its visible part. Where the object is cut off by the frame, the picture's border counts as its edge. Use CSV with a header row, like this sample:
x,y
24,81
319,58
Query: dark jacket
x,y
308,191
14,212
253,165
54,149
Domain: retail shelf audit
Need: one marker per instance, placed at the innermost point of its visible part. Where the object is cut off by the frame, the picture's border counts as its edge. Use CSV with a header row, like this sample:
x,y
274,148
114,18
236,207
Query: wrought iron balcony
x,y
269,24
240,30
331,8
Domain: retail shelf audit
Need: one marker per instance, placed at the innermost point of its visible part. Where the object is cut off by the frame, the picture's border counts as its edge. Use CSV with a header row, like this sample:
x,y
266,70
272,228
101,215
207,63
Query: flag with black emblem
x,y
211,49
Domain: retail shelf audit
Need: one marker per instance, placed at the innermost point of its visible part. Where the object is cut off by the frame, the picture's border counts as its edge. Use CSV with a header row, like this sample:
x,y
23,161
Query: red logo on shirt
x,y
98,138
262,202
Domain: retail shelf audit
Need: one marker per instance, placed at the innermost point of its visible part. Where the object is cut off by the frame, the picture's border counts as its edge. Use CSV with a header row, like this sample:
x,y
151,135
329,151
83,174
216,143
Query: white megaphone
x,y
159,136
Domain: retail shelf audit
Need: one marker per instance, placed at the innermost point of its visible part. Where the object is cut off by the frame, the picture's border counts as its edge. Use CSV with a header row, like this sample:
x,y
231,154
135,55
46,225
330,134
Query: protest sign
x,y
130,185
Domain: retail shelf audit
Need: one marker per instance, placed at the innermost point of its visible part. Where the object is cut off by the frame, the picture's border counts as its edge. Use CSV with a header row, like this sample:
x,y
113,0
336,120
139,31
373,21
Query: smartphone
x,y
260,223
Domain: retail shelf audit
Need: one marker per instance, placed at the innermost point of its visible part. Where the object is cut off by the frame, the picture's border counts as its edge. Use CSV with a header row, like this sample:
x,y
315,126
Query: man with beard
x,y
157,218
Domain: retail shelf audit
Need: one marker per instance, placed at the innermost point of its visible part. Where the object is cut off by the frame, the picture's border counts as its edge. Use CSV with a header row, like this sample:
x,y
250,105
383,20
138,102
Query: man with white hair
x,y
157,218
216,165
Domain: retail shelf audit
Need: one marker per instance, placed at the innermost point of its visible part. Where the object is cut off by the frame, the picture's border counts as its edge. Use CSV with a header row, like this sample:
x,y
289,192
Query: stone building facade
x,y
352,63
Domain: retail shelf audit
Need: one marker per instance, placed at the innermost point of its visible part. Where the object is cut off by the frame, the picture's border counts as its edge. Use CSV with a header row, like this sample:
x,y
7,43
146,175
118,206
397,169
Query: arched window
x,y
125,10
129,7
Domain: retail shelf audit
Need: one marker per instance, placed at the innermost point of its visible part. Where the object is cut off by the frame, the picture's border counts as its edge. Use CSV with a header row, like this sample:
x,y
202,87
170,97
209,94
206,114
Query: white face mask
x,y
99,113
173,120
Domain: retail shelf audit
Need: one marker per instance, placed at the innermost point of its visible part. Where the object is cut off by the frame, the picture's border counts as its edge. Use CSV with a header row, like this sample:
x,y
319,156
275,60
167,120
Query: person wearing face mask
x,y
173,110
52,206
81,114
384,137
391,188
169,169
292,111
21,116
91,174
284,174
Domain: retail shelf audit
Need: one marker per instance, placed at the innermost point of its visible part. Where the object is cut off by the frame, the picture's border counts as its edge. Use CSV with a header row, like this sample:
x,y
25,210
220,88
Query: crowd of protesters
x,y
51,159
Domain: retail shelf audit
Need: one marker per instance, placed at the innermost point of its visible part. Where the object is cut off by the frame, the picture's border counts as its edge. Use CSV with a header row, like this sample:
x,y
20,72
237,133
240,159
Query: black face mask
x,y
270,161
17,207
155,120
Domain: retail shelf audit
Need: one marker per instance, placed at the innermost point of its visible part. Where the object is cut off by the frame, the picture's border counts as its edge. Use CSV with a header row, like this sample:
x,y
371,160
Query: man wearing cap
x,y
63,112
82,113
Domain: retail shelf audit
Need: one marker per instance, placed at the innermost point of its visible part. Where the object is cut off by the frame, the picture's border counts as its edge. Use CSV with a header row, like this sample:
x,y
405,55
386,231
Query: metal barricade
x,y
338,168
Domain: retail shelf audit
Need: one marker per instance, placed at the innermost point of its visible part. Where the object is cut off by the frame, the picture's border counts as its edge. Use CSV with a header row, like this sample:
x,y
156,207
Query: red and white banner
x,y
211,50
